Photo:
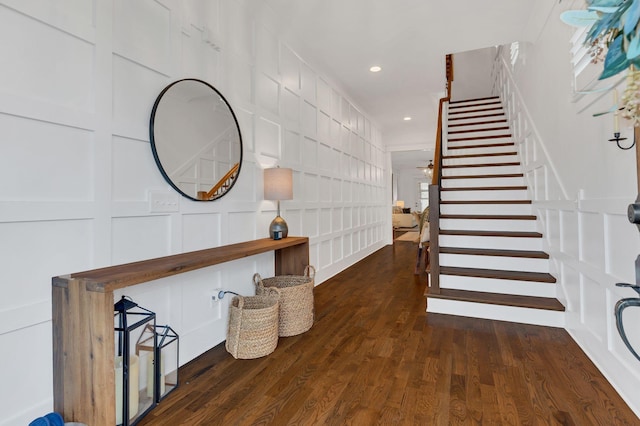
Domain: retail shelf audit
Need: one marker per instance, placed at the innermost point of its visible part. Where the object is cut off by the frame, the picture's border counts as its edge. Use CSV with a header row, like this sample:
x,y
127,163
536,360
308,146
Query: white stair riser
x,y
460,133
481,150
471,182
462,114
462,108
461,142
453,114
453,125
491,285
470,102
486,170
495,262
457,145
484,195
496,312
489,224
505,243
454,128
480,160
486,209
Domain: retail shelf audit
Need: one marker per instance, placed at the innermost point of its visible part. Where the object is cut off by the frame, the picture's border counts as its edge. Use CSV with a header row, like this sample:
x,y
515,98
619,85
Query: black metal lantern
x,y
131,404
160,347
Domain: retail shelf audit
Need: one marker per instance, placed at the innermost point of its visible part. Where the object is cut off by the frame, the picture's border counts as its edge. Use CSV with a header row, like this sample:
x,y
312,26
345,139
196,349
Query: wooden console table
x,y
83,327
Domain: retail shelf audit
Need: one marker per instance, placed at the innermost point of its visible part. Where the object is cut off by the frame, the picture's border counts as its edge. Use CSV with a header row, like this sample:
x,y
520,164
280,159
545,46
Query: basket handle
x,y
240,302
234,348
257,281
309,271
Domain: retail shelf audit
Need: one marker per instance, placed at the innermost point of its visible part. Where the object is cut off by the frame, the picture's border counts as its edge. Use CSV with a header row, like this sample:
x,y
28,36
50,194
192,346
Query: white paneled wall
x,y
590,241
77,86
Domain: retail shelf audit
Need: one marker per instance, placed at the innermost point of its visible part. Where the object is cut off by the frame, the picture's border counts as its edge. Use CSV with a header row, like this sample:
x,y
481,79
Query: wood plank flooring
x,y
375,357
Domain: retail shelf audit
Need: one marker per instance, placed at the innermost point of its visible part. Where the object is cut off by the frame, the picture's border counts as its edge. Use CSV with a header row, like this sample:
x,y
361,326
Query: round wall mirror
x,y
195,139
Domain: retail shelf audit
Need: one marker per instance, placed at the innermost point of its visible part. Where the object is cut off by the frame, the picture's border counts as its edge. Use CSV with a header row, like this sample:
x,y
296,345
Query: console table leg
x,y
83,363
292,260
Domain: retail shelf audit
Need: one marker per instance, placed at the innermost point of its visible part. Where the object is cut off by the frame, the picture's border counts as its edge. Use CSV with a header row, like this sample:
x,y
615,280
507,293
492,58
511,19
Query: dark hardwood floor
x,y
374,357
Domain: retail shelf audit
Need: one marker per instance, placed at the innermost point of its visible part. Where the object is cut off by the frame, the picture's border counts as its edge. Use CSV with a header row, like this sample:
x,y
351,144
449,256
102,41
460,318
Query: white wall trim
x,y
19,317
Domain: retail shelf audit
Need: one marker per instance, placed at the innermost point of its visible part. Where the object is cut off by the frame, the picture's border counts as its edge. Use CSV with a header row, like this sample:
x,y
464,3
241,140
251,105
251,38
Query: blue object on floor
x,y
55,419
51,419
40,421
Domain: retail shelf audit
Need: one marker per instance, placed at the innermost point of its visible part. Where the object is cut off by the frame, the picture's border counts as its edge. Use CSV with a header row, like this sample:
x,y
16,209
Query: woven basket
x,y
253,325
296,300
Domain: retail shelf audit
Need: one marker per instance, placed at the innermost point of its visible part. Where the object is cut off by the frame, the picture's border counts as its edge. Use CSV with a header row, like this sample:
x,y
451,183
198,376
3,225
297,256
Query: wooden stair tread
x,y
474,105
504,120
478,138
483,129
489,216
532,302
529,254
540,277
492,176
484,145
475,110
474,100
475,233
477,116
485,202
461,166
488,154
486,188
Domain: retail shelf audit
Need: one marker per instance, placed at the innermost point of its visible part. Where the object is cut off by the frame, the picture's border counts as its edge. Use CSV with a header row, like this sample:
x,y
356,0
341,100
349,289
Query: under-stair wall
x,y
590,242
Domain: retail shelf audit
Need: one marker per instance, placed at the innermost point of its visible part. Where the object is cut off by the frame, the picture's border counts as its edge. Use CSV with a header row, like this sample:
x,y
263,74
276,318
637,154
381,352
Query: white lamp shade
x,y
278,184
400,204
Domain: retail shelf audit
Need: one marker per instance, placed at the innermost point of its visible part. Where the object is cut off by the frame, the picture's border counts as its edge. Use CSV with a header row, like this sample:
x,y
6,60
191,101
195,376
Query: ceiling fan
x,y
428,169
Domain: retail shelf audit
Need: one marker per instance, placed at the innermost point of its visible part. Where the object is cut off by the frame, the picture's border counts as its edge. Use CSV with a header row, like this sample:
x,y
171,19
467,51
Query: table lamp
x,y
278,185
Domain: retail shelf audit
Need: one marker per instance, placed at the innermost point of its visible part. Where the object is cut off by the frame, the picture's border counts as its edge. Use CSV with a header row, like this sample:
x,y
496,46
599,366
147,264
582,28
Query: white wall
x,y
581,185
76,90
472,74
408,181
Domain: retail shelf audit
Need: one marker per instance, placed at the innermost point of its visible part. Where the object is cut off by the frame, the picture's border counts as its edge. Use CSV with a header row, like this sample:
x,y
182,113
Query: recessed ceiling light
x,y
407,118
375,68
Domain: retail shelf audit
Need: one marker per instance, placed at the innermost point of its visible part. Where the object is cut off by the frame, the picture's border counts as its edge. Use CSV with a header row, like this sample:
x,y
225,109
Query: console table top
x,y
115,277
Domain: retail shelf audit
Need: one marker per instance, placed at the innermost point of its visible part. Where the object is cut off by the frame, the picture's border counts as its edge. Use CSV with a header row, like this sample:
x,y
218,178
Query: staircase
x,y
491,259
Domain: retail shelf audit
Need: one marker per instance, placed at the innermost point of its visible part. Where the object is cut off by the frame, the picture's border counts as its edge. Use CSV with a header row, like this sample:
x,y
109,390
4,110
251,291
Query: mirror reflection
x,y
196,140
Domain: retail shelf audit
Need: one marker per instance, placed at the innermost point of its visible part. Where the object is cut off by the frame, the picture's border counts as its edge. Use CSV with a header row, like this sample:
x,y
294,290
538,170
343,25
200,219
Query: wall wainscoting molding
x,y
80,168
591,245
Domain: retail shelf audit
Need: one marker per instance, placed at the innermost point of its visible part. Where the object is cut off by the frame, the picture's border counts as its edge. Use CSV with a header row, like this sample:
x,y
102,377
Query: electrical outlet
x,y
216,295
163,202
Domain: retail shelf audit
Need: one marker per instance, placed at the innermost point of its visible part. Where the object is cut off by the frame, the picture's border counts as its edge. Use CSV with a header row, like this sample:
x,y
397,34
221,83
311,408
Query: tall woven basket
x,y
253,325
296,300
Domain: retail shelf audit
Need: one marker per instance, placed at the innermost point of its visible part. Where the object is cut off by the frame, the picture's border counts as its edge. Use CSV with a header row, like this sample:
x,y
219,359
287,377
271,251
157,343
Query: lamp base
x,y
278,229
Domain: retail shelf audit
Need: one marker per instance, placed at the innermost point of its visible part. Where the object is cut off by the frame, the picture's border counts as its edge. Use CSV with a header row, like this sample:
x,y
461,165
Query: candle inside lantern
x,y
133,387
150,372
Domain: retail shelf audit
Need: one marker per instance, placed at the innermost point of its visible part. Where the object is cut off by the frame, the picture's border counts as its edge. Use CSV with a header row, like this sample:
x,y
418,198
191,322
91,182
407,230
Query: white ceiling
x,y
409,40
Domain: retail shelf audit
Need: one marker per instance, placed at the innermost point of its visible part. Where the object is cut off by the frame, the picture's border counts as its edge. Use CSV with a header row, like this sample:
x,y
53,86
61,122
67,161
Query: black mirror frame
x,y
153,142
